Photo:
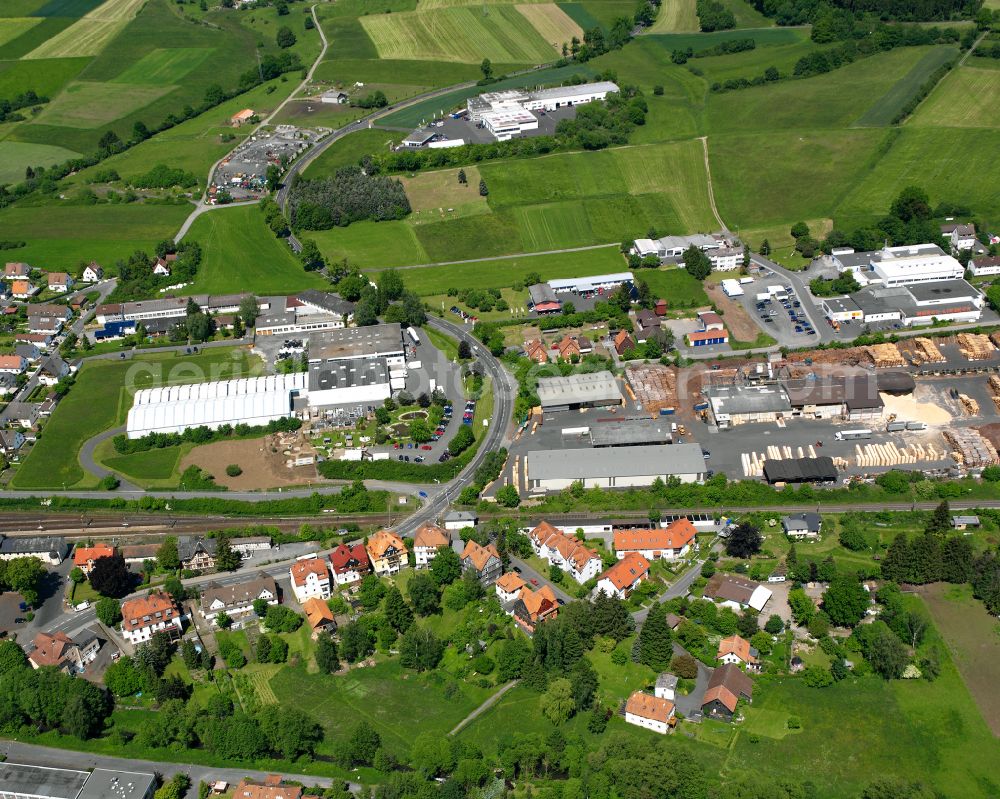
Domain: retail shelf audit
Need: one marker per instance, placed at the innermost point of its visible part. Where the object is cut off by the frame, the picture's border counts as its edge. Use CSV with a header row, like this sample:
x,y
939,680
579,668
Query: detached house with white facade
x,y
566,552
310,578
143,617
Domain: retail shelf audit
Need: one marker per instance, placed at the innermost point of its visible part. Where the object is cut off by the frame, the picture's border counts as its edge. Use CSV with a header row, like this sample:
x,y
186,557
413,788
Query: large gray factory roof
x,y
594,387
578,464
748,399
629,432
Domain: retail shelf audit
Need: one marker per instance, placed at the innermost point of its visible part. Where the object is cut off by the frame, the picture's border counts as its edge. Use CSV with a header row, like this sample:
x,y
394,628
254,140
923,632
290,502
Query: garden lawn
x,y
240,252
674,285
154,467
61,236
101,399
399,704
967,98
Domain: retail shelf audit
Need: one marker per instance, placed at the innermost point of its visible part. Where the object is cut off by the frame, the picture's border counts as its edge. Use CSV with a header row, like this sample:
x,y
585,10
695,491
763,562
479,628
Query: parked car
x,y
426,446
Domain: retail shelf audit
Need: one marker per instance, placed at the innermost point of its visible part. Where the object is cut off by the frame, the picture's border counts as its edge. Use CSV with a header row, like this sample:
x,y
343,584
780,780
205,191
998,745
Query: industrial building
x,y
800,470
309,311
592,390
630,433
617,467
23,781
725,254
853,398
595,284
373,341
732,405
542,299
355,381
172,307
509,113
251,401
898,266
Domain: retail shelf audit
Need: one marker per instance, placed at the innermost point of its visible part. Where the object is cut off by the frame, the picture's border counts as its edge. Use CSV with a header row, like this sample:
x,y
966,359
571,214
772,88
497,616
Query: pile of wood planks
x,y
975,346
926,351
971,448
885,356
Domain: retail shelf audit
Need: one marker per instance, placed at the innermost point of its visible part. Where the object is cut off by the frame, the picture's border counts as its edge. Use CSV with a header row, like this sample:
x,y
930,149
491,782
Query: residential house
x,y
960,236
237,599
92,273
483,560
319,615
585,344
667,543
666,686
47,318
60,282
29,352
651,712
196,554
40,340
709,321
137,554
566,552
247,545
738,593
310,578
646,324
350,563
11,442
624,576
241,117
273,787
535,350
674,621
22,413
84,558
66,654
802,525
986,265
726,687
622,342
12,364
964,522
567,348
428,539
531,608
21,289
16,269
161,266
387,552
508,586
51,550
737,650
8,384
460,519
52,370
143,617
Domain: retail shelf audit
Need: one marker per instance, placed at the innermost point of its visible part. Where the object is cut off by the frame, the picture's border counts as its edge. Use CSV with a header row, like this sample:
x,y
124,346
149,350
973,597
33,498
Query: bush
x,y
233,470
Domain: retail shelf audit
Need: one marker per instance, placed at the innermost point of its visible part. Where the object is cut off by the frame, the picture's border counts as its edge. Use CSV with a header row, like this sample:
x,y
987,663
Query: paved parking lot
x,y
243,173
785,320
473,133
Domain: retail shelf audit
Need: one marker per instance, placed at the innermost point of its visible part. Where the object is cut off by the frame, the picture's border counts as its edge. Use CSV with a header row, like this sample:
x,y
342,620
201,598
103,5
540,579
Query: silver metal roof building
x,y
590,390
108,784
373,341
40,782
630,433
252,401
740,404
623,467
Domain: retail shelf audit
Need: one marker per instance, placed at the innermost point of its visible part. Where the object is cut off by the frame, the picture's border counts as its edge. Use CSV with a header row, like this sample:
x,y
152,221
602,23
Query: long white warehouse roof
x,y
252,401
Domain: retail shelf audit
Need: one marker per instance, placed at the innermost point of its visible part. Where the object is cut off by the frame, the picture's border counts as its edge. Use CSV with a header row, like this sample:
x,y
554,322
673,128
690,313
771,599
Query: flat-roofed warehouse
x,y
372,341
630,433
733,405
616,467
38,782
801,470
252,401
357,381
592,390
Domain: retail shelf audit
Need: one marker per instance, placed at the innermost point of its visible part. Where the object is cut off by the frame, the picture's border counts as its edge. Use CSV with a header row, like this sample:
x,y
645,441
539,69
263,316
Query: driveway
x,y
690,706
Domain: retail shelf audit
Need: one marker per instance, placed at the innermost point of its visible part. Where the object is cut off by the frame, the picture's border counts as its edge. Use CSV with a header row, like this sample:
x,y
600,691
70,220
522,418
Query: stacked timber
x,y
975,346
885,356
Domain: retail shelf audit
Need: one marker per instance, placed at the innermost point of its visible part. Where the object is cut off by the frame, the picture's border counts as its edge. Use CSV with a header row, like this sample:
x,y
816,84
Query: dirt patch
x,y
971,635
741,326
921,406
410,415
263,461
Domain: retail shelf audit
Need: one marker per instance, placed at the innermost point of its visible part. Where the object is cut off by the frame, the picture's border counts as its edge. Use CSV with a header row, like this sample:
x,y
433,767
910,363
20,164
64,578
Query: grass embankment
x,y
100,399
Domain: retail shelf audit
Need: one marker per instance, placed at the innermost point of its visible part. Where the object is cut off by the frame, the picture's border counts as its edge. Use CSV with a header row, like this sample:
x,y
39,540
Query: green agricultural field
x,y
101,399
554,25
746,15
504,272
419,74
701,41
762,179
470,236
14,154
92,32
35,36
676,16
598,13
967,98
349,150
89,105
372,244
63,8
63,236
893,101
498,32
12,27
164,67
718,69
240,253
348,39
953,164
45,78
20,8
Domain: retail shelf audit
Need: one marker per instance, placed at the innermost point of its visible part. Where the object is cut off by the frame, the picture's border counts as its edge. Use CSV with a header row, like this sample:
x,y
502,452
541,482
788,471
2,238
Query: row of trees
x,y
202,435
